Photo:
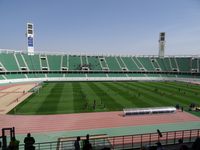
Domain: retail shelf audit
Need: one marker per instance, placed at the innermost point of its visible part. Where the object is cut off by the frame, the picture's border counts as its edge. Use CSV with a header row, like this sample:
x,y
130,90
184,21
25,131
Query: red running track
x,y
83,121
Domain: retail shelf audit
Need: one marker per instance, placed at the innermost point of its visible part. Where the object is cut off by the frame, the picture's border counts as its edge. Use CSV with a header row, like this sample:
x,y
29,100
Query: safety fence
x,y
123,142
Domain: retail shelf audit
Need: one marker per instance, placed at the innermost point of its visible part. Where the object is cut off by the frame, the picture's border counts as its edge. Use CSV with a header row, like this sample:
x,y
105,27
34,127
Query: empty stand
x,y
130,63
20,65
167,64
174,64
84,63
138,63
112,63
21,62
54,62
65,62
94,63
44,62
161,63
194,64
9,62
32,61
103,63
184,64
146,63
74,62
155,64
121,63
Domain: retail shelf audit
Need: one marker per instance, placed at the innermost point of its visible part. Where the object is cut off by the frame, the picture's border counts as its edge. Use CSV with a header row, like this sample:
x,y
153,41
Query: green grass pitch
x,y
76,97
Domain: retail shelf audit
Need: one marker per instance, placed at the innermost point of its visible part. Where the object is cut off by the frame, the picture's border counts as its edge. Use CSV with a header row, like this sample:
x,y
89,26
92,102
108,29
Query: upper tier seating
x,y
130,63
9,61
20,61
94,63
146,62
184,64
33,62
112,63
14,65
74,62
54,62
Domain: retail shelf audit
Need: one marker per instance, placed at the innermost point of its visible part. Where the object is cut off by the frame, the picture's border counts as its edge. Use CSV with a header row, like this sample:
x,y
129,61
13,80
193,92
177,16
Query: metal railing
x,y
126,141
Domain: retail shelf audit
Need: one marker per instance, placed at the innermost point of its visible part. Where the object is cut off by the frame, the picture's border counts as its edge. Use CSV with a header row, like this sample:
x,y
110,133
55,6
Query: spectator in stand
x,y
14,144
143,148
86,143
77,144
159,146
196,144
184,147
29,141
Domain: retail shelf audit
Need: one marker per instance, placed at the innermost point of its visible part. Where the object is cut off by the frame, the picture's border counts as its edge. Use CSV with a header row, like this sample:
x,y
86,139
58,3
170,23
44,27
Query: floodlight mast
x,y
30,38
161,44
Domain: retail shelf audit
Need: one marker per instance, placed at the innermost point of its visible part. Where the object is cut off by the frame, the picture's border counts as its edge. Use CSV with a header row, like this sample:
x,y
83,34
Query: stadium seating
x,y
75,75
103,63
194,62
146,62
94,63
33,62
155,64
184,64
15,76
54,75
174,64
8,61
20,61
54,62
138,63
1,77
161,63
117,75
136,75
44,62
167,64
130,63
112,63
74,62
97,75
84,60
121,63
19,65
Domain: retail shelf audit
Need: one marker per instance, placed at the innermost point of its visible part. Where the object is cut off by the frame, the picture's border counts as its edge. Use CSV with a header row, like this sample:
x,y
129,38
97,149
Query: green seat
x,y
96,75
20,60
117,75
74,62
75,75
112,63
32,61
94,63
146,62
130,63
15,76
54,62
8,61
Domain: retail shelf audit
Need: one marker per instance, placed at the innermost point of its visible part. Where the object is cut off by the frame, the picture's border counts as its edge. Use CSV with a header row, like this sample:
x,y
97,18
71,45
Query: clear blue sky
x,y
102,26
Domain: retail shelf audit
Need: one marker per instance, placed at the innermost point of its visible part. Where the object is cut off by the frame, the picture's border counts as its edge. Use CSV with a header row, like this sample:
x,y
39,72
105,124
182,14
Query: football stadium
x,y
59,96
65,101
